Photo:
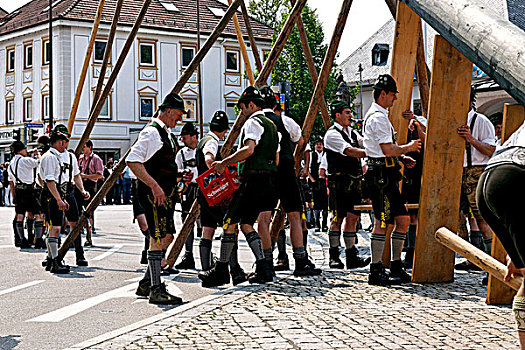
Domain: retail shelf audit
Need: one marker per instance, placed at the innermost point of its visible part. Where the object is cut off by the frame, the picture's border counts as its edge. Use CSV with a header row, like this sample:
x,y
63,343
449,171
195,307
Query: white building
x,y
164,46
490,98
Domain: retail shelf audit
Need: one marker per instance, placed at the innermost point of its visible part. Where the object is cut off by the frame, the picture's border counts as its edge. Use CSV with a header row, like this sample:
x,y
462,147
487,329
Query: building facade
x,y
163,48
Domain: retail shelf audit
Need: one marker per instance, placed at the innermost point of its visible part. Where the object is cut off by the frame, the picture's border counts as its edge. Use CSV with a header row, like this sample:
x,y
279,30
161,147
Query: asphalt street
x,y
45,311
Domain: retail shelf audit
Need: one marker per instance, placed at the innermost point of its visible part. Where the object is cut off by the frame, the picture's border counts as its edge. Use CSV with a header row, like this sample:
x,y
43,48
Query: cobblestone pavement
x,y
337,310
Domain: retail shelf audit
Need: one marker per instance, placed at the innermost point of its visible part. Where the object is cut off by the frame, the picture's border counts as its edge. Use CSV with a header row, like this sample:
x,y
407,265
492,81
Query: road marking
x,y
115,248
7,246
73,309
22,286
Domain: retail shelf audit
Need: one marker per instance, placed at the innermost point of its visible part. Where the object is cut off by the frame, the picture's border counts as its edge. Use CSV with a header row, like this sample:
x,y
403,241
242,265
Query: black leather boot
x,y
335,262
353,260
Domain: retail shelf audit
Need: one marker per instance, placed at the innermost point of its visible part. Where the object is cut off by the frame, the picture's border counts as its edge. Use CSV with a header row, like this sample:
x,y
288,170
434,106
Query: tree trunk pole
x,y
110,181
240,39
107,54
111,80
255,50
85,66
187,226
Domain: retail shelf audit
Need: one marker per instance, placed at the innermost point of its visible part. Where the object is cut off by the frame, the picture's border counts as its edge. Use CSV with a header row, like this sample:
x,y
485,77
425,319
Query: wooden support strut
x,y
107,55
85,66
476,256
110,181
255,50
112,78
443,162
242,45
226,148
497,292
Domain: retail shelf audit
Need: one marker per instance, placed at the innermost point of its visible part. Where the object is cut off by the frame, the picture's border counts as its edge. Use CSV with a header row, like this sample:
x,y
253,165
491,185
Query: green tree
x,y
267,11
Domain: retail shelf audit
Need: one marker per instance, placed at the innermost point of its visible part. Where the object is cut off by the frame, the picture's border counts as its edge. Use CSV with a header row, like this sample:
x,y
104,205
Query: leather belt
x,y
388,162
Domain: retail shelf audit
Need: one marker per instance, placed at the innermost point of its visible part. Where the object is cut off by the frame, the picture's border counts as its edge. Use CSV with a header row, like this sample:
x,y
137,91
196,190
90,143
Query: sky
x,y
364,19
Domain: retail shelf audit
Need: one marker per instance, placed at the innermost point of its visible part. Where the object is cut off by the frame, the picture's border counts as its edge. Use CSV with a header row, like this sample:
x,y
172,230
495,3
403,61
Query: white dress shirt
x,y
212,146
253,130
54,163
188,155
377,130
294,130
516,139
334,141
483,131
148,143
24,167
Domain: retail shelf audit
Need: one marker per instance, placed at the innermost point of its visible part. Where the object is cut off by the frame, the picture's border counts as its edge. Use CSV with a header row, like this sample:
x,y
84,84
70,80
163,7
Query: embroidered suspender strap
x,y
16,172
468,146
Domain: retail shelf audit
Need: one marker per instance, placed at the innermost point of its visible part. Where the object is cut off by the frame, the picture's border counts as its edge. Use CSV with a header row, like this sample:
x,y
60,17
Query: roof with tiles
x,y
158,16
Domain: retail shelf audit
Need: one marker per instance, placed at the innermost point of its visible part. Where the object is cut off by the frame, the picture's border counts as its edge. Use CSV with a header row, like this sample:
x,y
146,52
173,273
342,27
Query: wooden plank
x,y
497,292
443,163
369,206
476,256
242,45
255,50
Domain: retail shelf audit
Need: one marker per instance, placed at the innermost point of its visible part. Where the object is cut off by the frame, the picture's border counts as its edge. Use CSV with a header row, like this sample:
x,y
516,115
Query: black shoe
x,y
159,295
187,262
485,280
144,258
199,232
317,229
144,288
24,244
82,262
466,266
47,264
168,270
409,258
238,275
88,244
324,229
378,276
353,260
40,244
58,267
335,262
398,271
263,272
17,241
216,276
283,264
31,239
304,267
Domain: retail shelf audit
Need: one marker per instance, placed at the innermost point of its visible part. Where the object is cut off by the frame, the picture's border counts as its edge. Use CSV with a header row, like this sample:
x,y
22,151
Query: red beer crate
x,y
218,189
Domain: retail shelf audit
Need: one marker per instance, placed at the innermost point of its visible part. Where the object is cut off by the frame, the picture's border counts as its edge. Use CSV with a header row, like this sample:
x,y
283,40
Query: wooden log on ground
x,y
369,206
443,163
183,234
242,45
85,66
226,148
110,181
493,43
255,50
497,292
476,256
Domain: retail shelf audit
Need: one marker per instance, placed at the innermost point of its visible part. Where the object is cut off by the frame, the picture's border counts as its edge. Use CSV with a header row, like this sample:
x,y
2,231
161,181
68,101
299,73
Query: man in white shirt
x,y
382,179
59,171
480,145
22,179
500,194
318,186
152,160
185,159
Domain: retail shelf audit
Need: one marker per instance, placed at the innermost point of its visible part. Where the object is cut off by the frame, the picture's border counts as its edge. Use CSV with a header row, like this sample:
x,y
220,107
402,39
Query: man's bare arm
x,y
355,152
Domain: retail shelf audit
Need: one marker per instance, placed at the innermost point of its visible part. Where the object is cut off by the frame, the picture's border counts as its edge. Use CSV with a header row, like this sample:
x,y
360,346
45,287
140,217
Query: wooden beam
x,y
311,67
491,42
110,181
111,80
242,45
369,206
85,66
107,55
226,148
476,256
497,292
443,162
255,50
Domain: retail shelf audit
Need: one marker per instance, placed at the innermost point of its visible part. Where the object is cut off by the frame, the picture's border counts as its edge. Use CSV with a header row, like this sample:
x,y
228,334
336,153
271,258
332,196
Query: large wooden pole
x,y
497,292
107,54
478,257
111,80
242,45
110,181
492,43
85,66
255,50
226,148
443,162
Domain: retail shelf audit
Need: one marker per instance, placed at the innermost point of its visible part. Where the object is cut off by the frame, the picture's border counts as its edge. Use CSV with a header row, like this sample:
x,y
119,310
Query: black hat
x,y
270,100
173,101
496,118
60,131
338,106
220,120
17,146
386,82
189,129
251,93
318,139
